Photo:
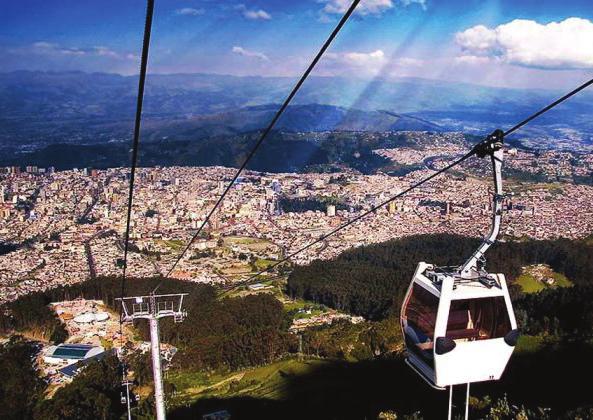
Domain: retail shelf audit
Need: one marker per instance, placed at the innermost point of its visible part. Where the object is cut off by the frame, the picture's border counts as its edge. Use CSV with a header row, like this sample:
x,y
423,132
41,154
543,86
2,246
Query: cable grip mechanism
x,y
490,144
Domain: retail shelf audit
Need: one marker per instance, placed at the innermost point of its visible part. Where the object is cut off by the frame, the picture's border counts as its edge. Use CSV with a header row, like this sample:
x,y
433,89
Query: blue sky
x,y
506,43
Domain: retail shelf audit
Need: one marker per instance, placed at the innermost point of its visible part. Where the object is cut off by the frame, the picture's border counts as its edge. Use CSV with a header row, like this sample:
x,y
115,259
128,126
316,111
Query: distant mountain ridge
x,y
102,94
40,108
297,118
331,151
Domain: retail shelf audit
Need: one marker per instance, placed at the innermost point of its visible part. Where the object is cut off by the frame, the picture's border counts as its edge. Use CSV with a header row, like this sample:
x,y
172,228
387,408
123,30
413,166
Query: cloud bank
x,y
371,59
366,7
190,11
247,53
557,45
50,48
253,14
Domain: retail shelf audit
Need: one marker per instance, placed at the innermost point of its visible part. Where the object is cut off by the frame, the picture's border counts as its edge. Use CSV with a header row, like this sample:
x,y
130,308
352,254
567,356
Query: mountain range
x,y
42,108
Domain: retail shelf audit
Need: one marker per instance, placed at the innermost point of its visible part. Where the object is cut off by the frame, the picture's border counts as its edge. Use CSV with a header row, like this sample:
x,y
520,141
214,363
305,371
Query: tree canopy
x,y
372,280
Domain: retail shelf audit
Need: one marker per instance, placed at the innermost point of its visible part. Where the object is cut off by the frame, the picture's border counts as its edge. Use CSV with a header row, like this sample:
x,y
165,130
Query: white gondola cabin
x,y
458,323
457,332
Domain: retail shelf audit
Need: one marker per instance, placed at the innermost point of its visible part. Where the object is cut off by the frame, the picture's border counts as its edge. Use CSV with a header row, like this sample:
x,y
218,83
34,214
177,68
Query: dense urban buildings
x,y
61,227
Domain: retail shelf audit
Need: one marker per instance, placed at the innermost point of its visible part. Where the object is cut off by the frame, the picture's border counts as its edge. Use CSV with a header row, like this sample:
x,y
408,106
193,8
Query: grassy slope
x,y
268,381
529,284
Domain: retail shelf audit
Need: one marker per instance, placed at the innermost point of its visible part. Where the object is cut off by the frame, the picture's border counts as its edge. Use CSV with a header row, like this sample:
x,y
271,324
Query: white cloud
x,y
409,62
43,44
353,62
421,3
366,7
253,14
257,15
557,45
368,64
252,54
358,59
189,11
473,59
44,47
477,39
50,48
365,58
104,51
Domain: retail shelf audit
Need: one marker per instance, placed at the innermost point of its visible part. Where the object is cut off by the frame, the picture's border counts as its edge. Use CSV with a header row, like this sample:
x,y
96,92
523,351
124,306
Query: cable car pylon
x,y
458,322
154,307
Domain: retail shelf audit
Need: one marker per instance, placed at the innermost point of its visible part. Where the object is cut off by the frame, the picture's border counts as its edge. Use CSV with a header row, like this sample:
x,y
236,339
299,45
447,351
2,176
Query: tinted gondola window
x,y
419,321
478,319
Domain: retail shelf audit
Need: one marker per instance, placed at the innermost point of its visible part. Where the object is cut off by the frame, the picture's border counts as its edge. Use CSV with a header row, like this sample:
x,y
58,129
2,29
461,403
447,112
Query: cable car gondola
x,y
458,323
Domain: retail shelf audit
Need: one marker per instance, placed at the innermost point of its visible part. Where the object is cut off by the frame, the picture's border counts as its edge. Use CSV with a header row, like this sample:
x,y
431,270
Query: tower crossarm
x,y
153,306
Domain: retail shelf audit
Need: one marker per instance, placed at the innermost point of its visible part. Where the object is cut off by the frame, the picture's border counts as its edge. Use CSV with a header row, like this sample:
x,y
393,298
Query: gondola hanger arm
x,y
492,146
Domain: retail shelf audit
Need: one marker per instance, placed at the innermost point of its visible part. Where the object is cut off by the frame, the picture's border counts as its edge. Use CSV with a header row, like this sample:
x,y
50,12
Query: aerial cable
x,y
269,128
478,149
363,215
136,140
467,402
449,412
547,108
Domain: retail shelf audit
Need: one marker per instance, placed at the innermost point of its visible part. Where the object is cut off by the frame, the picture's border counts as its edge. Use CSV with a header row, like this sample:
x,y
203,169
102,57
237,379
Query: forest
x,y
95,394
363,365
21,387
229,333
372,280
284,152
226,334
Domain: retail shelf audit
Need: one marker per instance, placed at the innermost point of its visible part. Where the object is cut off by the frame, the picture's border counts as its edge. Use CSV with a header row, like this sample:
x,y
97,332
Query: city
x,y
67,226
329,209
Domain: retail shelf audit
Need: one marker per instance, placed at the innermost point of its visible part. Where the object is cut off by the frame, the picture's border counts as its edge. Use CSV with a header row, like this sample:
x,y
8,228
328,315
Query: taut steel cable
x,y
269,128
417,184
136,139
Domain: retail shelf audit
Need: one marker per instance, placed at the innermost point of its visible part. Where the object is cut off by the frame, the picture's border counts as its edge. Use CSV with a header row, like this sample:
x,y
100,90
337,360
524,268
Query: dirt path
x,y
200,389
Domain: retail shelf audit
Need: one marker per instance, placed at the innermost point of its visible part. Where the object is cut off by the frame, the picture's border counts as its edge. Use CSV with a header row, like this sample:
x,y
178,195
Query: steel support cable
x,y
269,128
136,141
363,215
474,150
547,108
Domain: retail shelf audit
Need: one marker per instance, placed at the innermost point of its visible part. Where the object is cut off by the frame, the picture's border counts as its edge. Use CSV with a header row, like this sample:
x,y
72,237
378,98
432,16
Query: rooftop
x,y
74,351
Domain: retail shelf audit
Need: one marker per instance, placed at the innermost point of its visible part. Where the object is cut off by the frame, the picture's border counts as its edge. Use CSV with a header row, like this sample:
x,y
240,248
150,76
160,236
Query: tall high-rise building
x,y
391,207
276,186
331,210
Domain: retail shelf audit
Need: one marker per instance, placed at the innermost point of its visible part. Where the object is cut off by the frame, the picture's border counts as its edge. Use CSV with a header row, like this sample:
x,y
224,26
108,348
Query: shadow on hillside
x,y
339,390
